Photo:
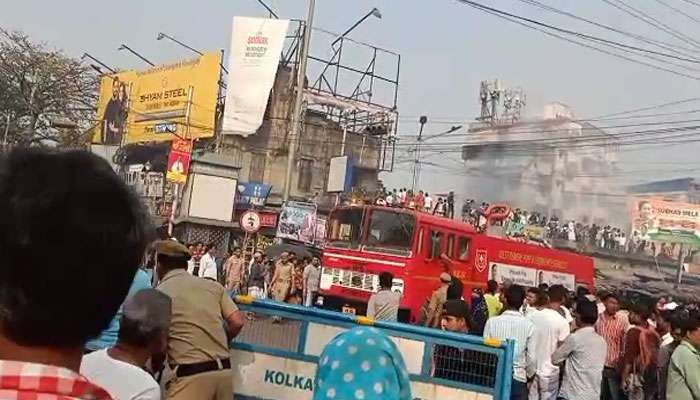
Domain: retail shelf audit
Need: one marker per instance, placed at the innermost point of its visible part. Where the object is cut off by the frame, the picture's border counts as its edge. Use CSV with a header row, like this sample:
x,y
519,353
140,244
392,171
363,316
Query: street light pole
x,y
297,116
162,35
272,13
100,63
130,50
374,12
416,165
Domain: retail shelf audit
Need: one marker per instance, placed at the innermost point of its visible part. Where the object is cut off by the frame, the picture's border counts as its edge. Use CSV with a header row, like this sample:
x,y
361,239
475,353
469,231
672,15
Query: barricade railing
x,y
277,359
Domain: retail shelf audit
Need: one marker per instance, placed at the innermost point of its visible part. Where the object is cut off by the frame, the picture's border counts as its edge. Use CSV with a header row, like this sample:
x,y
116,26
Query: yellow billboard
x,y
165,102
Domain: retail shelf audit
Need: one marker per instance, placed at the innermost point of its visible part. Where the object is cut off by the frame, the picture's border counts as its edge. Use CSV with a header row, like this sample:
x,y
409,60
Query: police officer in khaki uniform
x,y
204,320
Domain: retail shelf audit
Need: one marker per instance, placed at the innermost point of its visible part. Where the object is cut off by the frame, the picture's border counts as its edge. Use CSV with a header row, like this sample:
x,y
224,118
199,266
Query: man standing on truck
x,y
437,301
384,305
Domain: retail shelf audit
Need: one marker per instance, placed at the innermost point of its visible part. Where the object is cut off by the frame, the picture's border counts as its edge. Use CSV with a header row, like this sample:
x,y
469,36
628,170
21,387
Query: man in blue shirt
x,y
108,337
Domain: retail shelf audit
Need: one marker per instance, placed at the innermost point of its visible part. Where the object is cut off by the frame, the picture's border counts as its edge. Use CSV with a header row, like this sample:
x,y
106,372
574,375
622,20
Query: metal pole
x,y
173,207
272,13
188,113
103,65
162,35
416,164
345,135
130,50
679,273
296,116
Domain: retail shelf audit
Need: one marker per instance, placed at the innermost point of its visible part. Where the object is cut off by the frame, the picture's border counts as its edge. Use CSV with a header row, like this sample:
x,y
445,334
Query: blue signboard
x,y
253,193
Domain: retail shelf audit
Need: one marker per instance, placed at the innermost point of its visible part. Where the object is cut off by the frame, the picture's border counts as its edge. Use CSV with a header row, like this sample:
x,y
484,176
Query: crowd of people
x,y
443,206
591,236
572,346
119,313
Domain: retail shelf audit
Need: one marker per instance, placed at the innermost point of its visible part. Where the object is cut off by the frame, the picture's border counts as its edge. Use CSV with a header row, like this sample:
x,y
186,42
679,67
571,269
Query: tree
x,y
47,96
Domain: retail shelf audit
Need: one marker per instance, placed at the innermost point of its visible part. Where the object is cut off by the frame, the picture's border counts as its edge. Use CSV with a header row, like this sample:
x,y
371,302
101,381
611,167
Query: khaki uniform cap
x,y
171,248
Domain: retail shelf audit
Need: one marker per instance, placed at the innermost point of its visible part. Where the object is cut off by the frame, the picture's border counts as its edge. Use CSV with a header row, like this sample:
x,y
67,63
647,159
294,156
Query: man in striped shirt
x,y
612,326
513,325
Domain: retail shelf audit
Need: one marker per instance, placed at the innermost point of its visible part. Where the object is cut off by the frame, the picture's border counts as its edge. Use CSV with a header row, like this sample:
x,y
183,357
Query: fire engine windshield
x,y
344,228
390,232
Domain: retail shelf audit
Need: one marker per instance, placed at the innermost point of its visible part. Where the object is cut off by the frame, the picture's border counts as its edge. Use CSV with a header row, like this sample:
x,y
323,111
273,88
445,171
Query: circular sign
x,y
250,221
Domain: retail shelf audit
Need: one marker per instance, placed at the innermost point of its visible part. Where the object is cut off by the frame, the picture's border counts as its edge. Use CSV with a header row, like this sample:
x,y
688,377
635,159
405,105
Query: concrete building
x,y
554,164
262,157
685,190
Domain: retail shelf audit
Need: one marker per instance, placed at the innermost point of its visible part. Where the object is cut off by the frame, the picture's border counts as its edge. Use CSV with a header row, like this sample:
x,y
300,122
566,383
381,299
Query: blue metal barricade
x,y
276,360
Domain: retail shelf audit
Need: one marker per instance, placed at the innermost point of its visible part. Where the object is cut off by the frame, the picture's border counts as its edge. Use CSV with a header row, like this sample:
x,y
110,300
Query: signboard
x,y
256,46
250,221
268,219
320,232
253,193
518,275
179,161
339,176
660,220
153,105
530,277
556,278
297,222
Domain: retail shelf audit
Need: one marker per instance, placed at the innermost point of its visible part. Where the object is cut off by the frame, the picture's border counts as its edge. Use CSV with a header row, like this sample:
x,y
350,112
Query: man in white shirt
x,y
207,265
428,203
311,281
513,325
143,334
550,331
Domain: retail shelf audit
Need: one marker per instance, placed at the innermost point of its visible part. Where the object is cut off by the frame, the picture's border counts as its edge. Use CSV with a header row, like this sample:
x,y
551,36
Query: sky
x,y
446,49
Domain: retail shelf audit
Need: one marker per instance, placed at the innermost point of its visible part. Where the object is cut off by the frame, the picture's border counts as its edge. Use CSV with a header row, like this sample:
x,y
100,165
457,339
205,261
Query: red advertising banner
x,y
179,160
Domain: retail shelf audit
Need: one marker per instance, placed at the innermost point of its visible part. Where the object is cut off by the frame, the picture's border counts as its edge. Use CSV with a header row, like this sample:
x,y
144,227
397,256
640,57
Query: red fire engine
x,y
364,241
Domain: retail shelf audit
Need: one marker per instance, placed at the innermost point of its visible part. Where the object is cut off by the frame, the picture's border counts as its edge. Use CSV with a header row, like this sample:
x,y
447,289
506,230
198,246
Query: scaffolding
x,y
355,85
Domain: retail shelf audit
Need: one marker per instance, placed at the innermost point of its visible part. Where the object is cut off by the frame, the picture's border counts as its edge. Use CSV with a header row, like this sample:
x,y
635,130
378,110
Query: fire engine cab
x,y
364,241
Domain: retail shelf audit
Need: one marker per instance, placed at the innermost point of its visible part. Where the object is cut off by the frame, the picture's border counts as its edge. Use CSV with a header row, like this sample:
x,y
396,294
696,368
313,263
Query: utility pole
x,y
416,164
297,116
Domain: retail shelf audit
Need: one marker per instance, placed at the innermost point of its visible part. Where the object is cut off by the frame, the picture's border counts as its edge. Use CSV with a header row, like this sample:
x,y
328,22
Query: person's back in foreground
x,y
71,238
513,325
583,355
362,363
143,335
384,305
684,369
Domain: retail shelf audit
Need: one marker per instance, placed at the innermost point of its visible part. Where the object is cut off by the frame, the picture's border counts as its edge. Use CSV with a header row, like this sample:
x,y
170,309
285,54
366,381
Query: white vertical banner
x,y
256,45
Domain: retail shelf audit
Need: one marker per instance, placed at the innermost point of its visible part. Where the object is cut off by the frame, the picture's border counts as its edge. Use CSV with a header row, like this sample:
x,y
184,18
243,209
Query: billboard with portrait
x,y
297,222
661,220
162,103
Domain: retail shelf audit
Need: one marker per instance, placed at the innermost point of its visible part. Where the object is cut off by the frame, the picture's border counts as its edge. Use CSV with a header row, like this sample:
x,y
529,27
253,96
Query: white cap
x,y
670,306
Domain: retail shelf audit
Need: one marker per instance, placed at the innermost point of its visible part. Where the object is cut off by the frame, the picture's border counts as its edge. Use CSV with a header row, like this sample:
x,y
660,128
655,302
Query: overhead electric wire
x,y
654,107
574,33
642,16
501,14
678,11
512,131
691,2
658,43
